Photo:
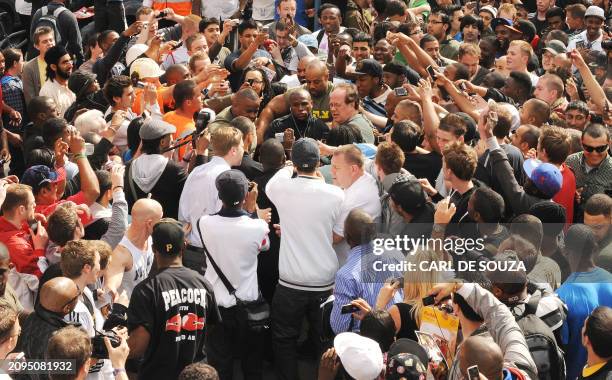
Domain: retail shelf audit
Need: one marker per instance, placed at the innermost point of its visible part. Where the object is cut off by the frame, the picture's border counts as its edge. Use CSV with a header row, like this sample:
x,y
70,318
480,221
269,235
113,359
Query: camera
x,y
205,116
98,348
348,309
606,45
400,91
250,82
161,14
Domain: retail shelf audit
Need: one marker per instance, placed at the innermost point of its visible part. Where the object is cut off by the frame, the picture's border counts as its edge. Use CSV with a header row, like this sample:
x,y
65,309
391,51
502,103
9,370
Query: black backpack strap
x,y
320,37
222,277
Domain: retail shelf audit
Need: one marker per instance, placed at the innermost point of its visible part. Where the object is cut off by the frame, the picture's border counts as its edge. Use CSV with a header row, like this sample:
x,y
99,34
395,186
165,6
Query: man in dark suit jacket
x,y
469,55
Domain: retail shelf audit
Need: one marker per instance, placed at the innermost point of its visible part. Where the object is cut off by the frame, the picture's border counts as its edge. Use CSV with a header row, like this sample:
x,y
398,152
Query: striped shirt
x,y
359,277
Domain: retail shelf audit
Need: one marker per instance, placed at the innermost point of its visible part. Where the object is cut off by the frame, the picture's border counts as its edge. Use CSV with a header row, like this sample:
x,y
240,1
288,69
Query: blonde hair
x,y
507,7
524,46
224,139
418,284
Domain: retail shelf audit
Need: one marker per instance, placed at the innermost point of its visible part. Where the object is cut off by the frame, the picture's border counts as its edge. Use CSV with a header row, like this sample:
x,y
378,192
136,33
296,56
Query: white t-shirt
x,y
581,39
62,95
219,8
263,10
103,368
200,196
308,209
238,260
362,194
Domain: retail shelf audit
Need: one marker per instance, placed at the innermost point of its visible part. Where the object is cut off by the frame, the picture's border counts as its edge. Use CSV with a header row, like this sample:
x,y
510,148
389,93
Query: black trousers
x,y
194,258
289,307
231,339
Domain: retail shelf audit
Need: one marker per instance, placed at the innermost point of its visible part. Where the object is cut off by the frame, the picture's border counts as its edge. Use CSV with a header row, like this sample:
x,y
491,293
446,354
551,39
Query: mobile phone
x,y
429,300
400,91
324,137
432,72
399,281
348,309
473,373
380,139
280,136
178,45
251,186
33,225
463,86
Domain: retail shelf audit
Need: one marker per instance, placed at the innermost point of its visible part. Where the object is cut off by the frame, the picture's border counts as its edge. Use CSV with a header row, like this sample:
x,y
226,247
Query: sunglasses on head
x,y
598,149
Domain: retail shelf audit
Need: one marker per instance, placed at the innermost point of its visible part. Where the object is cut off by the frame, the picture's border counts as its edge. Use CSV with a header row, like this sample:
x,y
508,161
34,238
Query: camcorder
x,y
98,348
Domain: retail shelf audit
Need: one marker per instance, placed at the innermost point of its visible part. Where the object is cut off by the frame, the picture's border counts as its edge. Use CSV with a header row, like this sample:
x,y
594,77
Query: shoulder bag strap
x,y
222,277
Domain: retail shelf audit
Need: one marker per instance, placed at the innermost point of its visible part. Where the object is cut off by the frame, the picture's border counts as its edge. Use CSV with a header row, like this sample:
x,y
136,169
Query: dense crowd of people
x,y
381,189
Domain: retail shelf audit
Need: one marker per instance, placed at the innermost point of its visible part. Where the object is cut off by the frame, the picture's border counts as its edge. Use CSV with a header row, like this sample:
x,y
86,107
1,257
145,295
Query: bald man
x,y
318,85
485,353
244,103
133,257
300,118
58,297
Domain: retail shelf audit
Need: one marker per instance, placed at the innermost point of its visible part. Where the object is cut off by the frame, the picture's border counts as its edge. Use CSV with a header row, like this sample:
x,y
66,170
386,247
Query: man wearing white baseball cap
x,y
148,71
591,37
361,357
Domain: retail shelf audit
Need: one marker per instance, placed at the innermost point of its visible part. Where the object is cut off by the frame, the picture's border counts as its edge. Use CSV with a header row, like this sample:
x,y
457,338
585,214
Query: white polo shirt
x,y
308,209
200,196
234,242
362,194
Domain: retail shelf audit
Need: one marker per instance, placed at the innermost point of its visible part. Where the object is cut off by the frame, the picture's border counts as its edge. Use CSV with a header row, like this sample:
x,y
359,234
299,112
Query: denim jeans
x,y
289,307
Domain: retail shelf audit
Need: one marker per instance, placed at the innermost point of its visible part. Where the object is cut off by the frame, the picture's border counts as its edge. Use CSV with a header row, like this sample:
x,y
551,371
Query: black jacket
x,y
251,168
36,330
166,191
68,29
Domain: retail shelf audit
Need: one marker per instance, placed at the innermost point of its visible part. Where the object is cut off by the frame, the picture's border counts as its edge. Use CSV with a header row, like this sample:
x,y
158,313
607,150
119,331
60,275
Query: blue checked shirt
x,y
12,92
358,279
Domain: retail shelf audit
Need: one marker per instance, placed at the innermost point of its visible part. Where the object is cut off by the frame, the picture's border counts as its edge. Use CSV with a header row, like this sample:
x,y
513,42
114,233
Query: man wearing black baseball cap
x,y
170,311
308,209
237,262
371,86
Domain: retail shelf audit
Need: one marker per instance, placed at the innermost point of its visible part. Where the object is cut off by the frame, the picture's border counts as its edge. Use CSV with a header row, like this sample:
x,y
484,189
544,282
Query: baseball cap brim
x,y
409,346
530,165
513,29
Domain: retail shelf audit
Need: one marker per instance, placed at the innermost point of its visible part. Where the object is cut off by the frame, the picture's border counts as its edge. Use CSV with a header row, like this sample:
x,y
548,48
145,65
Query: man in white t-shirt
x,y
308,209
360,191
80,262
238,263
200,196
519,53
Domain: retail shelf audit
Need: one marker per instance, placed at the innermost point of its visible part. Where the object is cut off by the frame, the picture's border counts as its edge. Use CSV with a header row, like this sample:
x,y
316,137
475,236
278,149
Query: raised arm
x,y
276,108
243,60
431,121
89,182
120,263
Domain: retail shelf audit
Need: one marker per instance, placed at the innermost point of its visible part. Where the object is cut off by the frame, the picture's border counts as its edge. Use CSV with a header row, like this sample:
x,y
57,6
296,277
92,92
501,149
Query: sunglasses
x,y
598,149
75,297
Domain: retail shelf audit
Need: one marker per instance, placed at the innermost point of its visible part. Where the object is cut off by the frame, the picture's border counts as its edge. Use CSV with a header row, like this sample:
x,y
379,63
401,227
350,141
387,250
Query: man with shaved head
x,y
300,118
58,297
318,85
483,352
133,257
244,103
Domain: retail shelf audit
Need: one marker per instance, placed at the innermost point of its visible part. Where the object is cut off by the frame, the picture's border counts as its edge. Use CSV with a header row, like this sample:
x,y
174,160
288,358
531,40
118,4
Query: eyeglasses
x,y
418,31
598,149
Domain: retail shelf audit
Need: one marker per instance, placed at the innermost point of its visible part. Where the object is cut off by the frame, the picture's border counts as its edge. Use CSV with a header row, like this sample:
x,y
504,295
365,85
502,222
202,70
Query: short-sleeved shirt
x,y
314,128
320,105
174,306
78,198
184,127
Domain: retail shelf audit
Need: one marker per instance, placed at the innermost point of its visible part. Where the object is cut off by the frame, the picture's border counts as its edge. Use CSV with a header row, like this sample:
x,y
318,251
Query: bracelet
x,y
79,155
116,187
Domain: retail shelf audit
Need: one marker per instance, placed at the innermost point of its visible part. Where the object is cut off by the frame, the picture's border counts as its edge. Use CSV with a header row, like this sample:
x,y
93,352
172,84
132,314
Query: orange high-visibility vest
x,y
180,7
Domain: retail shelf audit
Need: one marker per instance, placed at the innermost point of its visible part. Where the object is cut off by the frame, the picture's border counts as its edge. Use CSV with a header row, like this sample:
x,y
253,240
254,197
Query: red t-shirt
x,y
19,243
565,196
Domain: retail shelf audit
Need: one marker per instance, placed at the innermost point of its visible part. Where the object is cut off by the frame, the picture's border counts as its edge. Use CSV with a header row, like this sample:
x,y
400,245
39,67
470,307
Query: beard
x,y
63,74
